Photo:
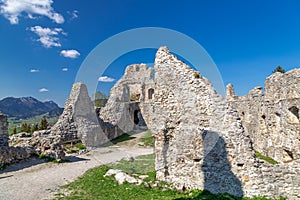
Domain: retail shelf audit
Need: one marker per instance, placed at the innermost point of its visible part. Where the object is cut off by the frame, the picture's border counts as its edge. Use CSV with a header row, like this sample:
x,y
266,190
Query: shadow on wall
x,y
218,177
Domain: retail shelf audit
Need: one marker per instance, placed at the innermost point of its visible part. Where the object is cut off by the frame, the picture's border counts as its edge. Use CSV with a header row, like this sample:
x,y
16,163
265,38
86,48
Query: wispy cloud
x,y
64,69
48,36
14,9
70,53
73,14
43,90
34,70
105,79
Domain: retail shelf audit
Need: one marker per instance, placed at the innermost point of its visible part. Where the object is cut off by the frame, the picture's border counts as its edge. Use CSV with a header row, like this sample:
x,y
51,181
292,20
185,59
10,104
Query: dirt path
x,y
36,180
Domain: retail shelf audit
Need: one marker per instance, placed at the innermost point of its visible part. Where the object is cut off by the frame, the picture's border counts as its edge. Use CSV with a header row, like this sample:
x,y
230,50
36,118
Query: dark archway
x,y
136,119
150,93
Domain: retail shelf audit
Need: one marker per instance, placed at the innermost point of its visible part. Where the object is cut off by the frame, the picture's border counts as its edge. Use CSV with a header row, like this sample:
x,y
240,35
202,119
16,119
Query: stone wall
x,y
200,140
3,130
79,121
271,118
122,108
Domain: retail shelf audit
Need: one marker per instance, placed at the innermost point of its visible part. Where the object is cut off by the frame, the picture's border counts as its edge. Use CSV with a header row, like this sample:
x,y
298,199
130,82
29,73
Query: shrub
x,y
135,97
196,74
279,69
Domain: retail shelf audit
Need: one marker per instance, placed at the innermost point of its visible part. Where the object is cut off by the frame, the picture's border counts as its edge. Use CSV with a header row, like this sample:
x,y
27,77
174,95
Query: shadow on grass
x,y
122,138
201,195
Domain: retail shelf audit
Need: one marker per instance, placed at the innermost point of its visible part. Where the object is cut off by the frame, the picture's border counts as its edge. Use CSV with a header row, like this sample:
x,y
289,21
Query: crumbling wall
x,y
79,121
200,141
271,118
126,96
3,130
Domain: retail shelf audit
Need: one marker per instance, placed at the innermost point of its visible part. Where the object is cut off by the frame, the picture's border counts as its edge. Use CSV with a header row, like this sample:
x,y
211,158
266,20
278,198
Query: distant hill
x,y
27,107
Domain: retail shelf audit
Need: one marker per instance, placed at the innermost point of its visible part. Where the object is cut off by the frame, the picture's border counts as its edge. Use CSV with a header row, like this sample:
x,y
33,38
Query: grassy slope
x,y
93,185
35,120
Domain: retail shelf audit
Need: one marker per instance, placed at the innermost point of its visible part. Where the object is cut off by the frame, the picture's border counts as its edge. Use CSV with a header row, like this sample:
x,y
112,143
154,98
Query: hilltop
x,y
27,107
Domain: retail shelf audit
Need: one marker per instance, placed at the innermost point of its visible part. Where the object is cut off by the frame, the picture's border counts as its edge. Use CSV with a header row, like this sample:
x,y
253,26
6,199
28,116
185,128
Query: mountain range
x,y
27,107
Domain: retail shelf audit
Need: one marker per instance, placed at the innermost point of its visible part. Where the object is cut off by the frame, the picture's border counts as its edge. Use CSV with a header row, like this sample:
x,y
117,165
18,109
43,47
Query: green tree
x,y
28,129
35,128
15,130
99,95
99,99
25,128
279,69
43,124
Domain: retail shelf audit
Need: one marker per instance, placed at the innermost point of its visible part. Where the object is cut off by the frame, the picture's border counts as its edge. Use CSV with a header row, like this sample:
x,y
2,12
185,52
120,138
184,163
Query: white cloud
x,y
70,53
73,14
13,9
34,70
48,36
105,79
65,69
43,90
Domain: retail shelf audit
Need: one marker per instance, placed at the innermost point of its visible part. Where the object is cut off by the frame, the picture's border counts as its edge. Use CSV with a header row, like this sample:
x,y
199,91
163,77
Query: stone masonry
x,y
123,106
271,118
79,121
3,130
202,142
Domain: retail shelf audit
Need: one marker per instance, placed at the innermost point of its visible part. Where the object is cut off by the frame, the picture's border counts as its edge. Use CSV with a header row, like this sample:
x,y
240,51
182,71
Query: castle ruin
x,y
202,140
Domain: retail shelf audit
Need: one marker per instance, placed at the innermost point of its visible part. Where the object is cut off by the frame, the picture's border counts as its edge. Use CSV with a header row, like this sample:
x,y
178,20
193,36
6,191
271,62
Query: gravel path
x,y
36,180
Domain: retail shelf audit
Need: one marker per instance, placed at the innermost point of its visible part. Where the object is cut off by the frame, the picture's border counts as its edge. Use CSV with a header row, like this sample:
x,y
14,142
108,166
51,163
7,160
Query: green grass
x,y
49,159
74,148
121,138
46,158
92,185
265,158
35,120
140,165
148,139
3,166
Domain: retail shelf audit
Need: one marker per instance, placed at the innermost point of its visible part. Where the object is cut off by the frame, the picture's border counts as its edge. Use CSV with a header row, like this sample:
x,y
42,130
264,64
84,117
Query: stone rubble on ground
x,y
122,177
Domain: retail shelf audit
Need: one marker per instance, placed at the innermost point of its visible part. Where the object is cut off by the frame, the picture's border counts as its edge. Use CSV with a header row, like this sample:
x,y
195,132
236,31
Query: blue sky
x,y
43,43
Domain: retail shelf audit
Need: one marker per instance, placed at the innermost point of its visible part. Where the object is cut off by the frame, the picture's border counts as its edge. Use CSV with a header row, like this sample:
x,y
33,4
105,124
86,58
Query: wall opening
x,y
137,68
136,117
150,93
295,111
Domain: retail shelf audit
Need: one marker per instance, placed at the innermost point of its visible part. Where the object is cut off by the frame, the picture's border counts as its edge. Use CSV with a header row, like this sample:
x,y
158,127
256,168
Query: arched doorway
x,y
150,93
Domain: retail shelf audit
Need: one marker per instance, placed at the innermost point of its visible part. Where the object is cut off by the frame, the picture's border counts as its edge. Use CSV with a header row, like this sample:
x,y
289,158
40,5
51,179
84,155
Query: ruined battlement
x,y
271,118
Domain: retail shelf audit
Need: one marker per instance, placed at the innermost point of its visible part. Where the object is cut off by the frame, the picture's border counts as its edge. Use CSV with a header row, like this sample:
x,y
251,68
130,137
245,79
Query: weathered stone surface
x,y
23,145
40,142
3,130
123,107
10,155
79,121
201,141
272,118
122,177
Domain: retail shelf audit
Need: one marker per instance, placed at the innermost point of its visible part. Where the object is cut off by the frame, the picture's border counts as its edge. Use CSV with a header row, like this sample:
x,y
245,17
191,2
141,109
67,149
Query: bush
x,y
196,74
135,97
279,69
46,158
